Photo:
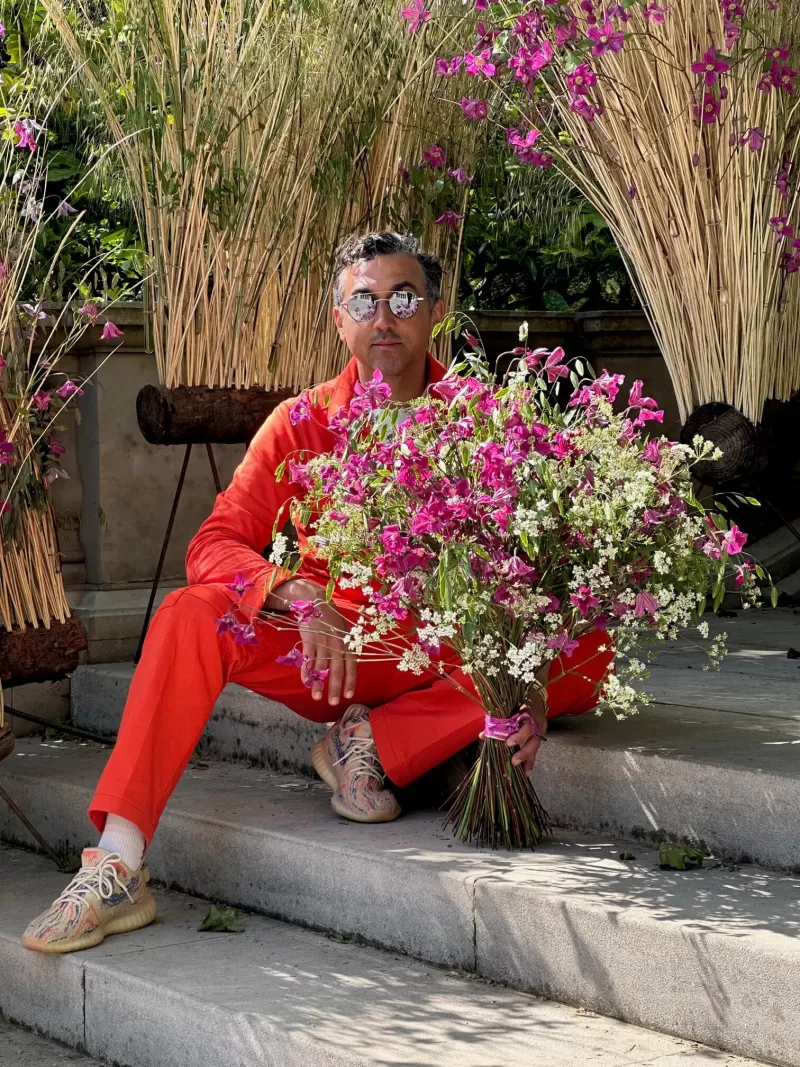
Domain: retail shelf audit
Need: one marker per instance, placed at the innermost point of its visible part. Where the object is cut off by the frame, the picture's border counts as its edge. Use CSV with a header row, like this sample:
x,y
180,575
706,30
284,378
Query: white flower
x,y
279,550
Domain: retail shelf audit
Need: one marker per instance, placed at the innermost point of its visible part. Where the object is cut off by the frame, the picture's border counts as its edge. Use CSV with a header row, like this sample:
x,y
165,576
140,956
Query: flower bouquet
x,y
504,521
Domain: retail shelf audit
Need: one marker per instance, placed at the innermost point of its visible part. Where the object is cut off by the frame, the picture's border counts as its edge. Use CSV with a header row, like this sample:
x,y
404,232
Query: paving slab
x,y
278,995
725,781
23,1048
710,955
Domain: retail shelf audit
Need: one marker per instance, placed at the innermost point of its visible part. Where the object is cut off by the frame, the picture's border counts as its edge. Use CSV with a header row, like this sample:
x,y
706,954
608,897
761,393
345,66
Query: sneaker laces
x,y
101,879
361,756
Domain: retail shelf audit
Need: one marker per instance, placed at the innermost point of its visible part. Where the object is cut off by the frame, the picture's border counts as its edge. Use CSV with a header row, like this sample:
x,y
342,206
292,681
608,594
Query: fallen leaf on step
x,y
793,653
223,918
679,857
627,855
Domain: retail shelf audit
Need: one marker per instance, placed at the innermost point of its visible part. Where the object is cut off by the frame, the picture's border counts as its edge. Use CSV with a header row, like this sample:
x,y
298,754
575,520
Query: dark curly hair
x,y
386,243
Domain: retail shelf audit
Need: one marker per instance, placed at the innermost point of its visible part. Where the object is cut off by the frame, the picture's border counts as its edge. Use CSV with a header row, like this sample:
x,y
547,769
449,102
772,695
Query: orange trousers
x,y
417,721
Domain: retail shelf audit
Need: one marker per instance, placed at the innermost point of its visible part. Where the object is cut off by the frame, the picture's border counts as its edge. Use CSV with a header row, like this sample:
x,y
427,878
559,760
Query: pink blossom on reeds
x,y
416,14
111,332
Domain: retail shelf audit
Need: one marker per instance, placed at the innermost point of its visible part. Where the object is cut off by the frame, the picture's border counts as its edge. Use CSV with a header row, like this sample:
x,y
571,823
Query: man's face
x,y
384,342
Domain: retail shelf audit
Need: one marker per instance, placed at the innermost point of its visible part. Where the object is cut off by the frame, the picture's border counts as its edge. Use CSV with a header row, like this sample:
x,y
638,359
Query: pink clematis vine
x,y
581,79
474,109
416,14
305,610
460,175
41,400
111,332
655,13
435,156
605,38
448,68
300,411
68,389
240,585
710,66
707,112
449,218
754,139
480,64
734,540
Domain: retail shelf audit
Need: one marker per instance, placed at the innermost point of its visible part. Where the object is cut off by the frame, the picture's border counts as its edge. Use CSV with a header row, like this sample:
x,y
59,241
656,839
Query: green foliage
x,y
679,857
222,918
532,241
104,247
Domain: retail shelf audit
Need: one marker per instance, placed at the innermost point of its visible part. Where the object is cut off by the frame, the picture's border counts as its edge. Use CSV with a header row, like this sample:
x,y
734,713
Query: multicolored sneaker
x,y
104,897
346,759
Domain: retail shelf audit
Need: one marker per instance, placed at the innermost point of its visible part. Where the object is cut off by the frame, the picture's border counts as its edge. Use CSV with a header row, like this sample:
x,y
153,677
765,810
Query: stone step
x,y
708,955
23,1048
278,995
725,781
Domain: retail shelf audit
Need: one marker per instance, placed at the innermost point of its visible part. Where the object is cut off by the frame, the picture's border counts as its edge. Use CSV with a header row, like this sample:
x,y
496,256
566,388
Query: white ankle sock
x,y
125,838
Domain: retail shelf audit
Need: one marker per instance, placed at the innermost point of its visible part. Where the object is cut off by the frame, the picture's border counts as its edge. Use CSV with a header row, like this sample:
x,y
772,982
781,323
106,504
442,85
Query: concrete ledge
x,y
282,996
726,782
705,954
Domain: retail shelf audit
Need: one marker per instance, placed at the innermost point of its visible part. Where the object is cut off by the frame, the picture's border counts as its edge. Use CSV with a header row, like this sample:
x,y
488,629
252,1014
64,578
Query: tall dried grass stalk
x,y
696,237
258,135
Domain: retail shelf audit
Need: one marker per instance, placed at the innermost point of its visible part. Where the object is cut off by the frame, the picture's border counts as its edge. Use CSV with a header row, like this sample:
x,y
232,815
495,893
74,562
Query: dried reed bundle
x,y
688,167
259,134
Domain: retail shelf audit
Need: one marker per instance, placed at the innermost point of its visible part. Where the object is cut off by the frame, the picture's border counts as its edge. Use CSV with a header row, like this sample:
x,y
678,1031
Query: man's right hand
x,y
323,639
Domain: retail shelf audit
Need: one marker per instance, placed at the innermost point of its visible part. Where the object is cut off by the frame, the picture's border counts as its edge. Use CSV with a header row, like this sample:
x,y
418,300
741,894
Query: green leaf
x,y
752,500
722,507
223,918
281,470
773,596
329,588
679,857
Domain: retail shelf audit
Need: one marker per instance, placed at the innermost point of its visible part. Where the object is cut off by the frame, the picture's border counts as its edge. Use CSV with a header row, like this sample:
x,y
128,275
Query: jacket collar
x,y
344,386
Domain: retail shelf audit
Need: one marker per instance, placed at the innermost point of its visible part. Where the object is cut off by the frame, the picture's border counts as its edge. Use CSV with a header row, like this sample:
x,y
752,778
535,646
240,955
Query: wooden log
x,y
39,654
198,415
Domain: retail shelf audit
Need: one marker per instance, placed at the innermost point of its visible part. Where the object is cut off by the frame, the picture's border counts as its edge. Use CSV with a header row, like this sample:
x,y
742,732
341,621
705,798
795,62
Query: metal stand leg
x,y
164,547
23,818
168,534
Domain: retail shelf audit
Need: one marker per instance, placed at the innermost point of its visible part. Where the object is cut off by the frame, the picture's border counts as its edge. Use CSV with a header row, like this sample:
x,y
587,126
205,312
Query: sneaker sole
x,y
142,914
322,764
356,816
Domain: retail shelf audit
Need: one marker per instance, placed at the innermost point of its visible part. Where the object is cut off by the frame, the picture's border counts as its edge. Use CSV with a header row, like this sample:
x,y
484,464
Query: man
x,y
387,299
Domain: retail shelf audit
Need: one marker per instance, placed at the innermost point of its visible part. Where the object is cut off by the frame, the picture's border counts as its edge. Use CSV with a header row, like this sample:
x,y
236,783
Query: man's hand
x,y
323,639
529,743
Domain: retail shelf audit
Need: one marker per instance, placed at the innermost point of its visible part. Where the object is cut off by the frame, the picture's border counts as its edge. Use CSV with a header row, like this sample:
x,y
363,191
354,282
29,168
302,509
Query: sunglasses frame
x,y
376,301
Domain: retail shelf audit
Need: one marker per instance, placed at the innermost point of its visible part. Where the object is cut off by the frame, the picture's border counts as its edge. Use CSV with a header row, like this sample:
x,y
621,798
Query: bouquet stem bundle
x,y
496,805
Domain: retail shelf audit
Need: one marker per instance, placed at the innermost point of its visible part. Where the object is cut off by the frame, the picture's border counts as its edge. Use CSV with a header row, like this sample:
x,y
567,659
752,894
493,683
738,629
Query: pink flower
x,y
646,604
581,79
637,400
734,540
515,138
742,569
89,309
55,447
65,208
562,643
755,138
780,226
240,585
566,32
315,677
244,634
554,367
448,68
416,14
3,363
483,5
6,449
41,400
710,66
579,105
780,53
480,64
34,313
782,183
474,109
655,13
606,38
460,175
435,156
67,389
111,332
26,130
294,658
305,610
708,111
732,31
584,599
449,218
300,411
4,507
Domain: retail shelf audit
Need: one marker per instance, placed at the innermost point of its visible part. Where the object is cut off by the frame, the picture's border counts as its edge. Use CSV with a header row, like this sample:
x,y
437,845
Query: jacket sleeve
x,y
232,538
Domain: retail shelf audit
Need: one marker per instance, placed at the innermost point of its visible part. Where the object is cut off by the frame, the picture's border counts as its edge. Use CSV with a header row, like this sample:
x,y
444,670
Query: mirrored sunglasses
x,y
361,307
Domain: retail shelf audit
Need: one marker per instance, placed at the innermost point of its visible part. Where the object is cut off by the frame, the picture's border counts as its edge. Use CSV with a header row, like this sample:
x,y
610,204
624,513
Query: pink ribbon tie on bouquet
x,y
500,729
